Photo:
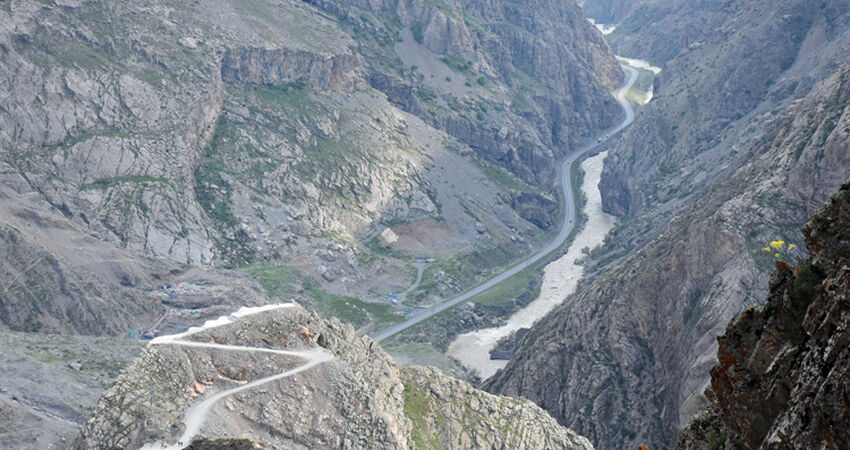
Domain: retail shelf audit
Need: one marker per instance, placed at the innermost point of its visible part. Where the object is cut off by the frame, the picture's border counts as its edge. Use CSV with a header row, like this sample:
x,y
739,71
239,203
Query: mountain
x,y
352,396
229,133
164,163
782,379
744,140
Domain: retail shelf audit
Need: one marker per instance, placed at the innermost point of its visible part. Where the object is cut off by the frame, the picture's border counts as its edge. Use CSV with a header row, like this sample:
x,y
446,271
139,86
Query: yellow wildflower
x,y
777,245
776,255
767,249
791,246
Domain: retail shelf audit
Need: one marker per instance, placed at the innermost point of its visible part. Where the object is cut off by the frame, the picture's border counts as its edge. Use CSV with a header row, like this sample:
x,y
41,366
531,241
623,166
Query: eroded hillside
x,y
234,133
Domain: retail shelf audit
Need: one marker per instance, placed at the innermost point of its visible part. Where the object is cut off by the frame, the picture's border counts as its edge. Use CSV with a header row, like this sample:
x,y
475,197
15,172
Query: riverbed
x,y
560,279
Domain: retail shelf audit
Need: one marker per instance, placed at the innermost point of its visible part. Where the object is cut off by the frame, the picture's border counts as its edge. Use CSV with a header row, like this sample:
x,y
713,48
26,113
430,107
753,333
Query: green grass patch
x,y
278,281
285,282
521,103
456,63
425,94
293,97
806,284
509,289
377,248
104,183
417,409
350,309
500,176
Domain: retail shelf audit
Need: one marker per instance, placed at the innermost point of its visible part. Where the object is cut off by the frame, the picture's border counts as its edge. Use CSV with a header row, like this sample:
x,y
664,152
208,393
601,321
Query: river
x,y
560,279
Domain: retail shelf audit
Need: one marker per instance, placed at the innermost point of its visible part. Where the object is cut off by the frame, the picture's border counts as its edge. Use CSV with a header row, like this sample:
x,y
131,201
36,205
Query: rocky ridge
x,y
359,399
782,379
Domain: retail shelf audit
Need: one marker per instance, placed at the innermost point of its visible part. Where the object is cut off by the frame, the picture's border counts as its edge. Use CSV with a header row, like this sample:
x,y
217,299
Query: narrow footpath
x,y
197,414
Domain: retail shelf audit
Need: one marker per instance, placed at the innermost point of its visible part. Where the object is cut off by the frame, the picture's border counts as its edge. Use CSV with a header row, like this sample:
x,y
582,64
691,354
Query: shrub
x,y
416,28
805,285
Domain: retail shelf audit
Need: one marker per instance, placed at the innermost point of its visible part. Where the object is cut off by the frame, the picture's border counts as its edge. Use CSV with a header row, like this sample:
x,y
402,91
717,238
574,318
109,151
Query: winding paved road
x,y
196,415
567,225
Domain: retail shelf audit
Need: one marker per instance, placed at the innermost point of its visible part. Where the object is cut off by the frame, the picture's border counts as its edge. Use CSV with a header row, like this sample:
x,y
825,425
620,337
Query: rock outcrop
x,y
535,208
782,380
226,444
357,399
280,67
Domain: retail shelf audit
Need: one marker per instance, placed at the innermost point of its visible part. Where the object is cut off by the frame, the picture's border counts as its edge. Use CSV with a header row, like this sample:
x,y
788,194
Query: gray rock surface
x,y
217,132
139,137
539,66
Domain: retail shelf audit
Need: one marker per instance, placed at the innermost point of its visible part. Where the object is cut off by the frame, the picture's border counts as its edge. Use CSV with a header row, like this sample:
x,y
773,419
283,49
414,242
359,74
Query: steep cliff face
x,y
110,108
709,175
525,82
59,279
782,380
710,89
356,398
610,11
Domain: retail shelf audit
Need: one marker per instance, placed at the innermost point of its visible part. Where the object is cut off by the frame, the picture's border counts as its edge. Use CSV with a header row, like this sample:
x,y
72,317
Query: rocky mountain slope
x,y
356,398
658,30
148,147
782,379
543,56
746,138
227,133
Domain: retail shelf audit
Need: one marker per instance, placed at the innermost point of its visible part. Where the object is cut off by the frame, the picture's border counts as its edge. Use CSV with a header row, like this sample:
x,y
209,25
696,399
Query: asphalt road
x,y
567,225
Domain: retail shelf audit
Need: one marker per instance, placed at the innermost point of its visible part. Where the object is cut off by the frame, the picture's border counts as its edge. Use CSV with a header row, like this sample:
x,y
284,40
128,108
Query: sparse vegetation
x,y
499,175
416,409
416,28
806,284
716,440
286,282
456,63
425,94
